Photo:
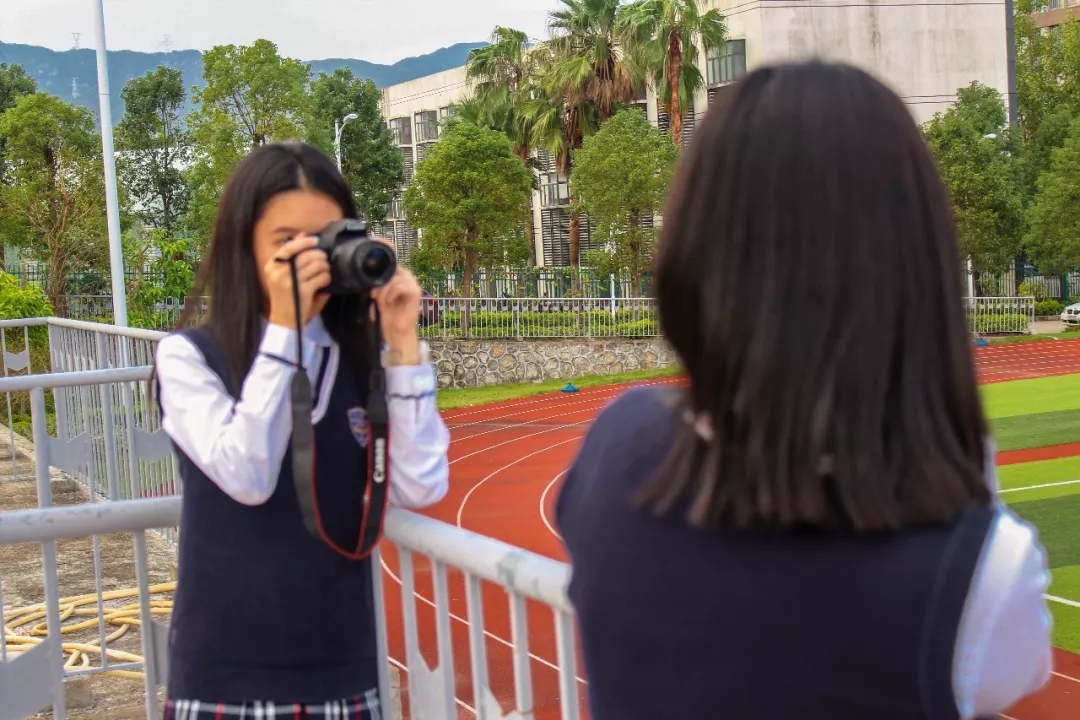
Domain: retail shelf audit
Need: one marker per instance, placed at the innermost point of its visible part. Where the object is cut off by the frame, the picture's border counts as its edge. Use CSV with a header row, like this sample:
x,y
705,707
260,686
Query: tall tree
x,y
14,83
252,96
55,187
155,147
500,73
561,116
662,36
469,198
1047,91
370,161
1053,241
621,176
970,142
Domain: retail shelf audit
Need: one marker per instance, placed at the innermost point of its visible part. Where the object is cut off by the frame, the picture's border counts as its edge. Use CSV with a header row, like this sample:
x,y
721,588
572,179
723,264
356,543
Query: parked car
x,y
429,309
1071,314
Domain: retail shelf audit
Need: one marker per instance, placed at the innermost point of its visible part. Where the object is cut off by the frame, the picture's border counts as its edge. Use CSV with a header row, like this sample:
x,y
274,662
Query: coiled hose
x,y
78,654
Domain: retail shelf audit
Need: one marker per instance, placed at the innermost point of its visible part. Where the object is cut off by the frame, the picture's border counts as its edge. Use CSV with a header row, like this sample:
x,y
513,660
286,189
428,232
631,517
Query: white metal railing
x,y
477,318
125,467
1000,316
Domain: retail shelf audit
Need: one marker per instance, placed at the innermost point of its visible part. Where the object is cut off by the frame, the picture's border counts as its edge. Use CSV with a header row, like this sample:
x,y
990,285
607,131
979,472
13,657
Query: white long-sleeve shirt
x,y
240,444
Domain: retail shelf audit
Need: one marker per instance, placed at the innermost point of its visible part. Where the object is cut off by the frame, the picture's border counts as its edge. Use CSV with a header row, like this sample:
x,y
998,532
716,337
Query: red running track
x,y
1024,361
506,462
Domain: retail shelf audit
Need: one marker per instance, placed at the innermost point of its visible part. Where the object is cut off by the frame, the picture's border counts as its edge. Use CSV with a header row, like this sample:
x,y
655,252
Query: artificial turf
x,y
1037,413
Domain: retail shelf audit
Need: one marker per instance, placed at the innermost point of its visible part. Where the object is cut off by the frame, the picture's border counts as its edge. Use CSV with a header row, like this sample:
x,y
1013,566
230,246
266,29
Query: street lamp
x,y
338,127
112,206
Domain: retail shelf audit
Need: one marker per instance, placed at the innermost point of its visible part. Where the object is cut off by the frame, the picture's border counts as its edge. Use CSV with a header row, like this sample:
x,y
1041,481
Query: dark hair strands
x,y
228,273
808,277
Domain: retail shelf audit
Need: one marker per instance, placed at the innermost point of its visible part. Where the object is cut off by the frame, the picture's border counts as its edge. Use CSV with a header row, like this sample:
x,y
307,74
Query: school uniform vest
x,y
263,610
682,623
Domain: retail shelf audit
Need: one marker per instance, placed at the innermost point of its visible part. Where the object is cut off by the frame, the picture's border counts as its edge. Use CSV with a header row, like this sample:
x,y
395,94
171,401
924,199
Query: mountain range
x,y
72,74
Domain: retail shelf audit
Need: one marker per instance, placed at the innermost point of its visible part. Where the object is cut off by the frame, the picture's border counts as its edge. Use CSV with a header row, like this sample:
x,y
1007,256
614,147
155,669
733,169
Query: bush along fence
x,y
456,318
515,282
1000,316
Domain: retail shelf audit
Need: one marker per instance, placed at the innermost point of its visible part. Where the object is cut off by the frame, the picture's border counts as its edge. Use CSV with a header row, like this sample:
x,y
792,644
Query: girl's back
x,y
806,530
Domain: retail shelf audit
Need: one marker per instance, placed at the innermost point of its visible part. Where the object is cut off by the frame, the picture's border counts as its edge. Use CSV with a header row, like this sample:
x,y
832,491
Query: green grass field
x,y
1032,414
465,397
1023,414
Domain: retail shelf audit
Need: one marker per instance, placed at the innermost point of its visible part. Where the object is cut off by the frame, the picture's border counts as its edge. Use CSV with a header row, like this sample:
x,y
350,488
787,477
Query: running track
x,y
506,462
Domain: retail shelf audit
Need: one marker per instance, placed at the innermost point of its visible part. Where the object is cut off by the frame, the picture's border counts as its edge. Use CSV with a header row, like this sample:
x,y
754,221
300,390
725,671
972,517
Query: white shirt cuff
x,y
410,381
280,342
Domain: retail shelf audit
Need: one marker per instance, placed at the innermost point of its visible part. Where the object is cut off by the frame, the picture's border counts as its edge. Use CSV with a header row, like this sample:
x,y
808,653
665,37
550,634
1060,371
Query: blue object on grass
x,y
982,342
569,388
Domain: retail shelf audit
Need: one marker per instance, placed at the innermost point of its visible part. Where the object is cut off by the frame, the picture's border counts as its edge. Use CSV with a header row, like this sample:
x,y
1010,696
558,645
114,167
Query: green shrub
x,y
1029,289
985,323
1048,307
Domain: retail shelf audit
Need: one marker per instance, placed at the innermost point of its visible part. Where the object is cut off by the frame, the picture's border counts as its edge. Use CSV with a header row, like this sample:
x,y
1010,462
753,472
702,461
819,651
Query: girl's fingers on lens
x,y
296,245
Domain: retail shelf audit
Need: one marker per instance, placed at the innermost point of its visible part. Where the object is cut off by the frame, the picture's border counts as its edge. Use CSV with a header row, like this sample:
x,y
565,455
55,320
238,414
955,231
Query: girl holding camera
x,y
268,620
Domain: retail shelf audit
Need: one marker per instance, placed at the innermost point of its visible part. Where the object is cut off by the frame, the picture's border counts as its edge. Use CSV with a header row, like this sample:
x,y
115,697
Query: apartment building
x,y
1055,13
924,49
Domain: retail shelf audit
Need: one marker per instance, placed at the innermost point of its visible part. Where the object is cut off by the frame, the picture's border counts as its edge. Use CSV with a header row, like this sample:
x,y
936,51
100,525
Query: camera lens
x,y
375,264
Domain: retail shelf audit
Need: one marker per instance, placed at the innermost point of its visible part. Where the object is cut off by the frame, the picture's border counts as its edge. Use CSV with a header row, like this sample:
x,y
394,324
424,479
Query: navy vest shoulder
x,y
683,624
263,610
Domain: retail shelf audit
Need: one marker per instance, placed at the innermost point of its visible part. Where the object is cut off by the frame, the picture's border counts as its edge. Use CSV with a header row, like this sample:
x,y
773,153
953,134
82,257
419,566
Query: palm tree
x,y
661,37
499,73
588,59
583,76
561,115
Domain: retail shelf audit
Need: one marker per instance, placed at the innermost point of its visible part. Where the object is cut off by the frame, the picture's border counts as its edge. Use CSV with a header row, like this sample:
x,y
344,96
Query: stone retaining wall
x,y
461,363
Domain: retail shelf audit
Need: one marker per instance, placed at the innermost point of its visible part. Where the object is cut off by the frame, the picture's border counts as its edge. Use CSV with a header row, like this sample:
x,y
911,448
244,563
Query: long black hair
x,y
809,279
228,273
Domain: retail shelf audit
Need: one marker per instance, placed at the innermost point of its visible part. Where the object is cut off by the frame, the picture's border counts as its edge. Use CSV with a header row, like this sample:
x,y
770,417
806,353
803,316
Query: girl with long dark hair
x,y
269,620
807,530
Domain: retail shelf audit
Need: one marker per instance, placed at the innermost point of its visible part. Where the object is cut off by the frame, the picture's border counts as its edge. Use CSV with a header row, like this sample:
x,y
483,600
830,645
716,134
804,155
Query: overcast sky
x,y
382,31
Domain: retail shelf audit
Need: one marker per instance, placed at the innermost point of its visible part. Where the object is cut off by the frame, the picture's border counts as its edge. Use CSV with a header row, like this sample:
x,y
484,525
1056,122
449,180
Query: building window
x,y
401,128
405,239
422,151
407,161
396,211
726,63
427,126
447,112
554,190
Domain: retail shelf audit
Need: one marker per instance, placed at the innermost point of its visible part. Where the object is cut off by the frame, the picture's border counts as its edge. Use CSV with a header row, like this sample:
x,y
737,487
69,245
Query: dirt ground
x,y
95,697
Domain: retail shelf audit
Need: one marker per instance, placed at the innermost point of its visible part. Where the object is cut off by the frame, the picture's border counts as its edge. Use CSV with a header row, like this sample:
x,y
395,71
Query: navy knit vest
x,y
263,610
684,624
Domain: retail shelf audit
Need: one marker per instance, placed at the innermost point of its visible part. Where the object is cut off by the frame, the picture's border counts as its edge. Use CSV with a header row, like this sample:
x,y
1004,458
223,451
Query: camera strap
x,y
376,489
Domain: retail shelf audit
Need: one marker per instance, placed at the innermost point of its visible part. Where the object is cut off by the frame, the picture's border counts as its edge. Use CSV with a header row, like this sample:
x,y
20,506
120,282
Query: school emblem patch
x,y
358,423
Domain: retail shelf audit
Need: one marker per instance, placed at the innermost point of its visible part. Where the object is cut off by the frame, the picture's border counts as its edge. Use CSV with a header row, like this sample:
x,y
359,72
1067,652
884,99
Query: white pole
x,y
337,144
970,279
116,254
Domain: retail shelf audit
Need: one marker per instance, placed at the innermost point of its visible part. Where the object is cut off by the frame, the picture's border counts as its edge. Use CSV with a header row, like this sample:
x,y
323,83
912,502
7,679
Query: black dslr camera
x,y
358,263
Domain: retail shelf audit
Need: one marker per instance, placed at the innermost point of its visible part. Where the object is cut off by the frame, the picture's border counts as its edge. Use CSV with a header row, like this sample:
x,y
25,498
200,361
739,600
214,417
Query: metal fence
x,y
456,318
1000,316
107,438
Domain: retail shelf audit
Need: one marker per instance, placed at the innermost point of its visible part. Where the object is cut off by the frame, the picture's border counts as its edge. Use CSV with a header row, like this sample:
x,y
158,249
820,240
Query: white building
x,y
924,49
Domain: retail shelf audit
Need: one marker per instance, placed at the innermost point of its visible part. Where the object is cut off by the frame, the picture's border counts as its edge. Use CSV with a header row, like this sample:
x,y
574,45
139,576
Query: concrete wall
x,y
924,50
462,364
427,93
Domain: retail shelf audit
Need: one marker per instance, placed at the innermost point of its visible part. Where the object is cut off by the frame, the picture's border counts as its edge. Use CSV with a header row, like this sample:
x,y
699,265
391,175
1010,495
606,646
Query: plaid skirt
x,y
361,708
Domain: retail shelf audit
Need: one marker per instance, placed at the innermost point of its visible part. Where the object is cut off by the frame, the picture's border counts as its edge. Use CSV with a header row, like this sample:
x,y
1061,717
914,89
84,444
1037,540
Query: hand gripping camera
x,y
358,263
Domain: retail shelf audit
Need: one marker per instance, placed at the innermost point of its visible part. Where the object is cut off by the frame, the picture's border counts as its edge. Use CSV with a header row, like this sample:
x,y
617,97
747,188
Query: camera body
x,y
358,262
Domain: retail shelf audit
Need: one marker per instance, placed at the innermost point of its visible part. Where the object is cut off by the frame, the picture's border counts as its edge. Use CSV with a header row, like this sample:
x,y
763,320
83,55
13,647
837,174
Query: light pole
x,y
112,206
338,127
